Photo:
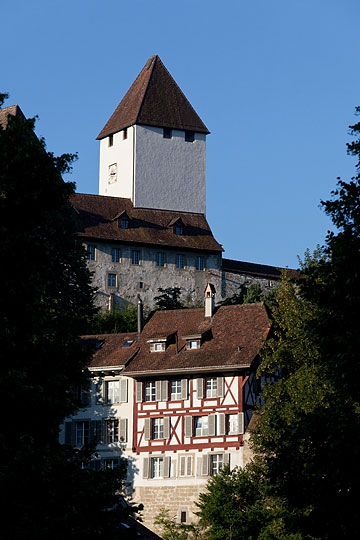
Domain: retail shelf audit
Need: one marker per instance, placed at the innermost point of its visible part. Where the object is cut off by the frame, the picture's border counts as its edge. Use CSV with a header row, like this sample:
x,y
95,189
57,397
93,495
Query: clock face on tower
x,y
112,175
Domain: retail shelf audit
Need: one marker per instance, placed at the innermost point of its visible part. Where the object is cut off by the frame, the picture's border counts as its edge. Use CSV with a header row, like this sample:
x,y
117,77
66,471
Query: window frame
x,y
115,255
157,466
211,387
180,259
111,280
91,252
200,263
178,393
216,463
112,430
135,257
201,426
149,391
160,258
157,428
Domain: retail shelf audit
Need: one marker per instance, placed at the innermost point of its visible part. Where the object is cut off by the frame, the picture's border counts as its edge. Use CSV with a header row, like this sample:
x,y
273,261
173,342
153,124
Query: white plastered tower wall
x,y
154,171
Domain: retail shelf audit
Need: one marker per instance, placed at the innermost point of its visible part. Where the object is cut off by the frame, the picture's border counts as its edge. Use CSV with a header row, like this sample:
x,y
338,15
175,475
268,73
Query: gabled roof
x,y
111,349
154,99
232,339
95,216
13,110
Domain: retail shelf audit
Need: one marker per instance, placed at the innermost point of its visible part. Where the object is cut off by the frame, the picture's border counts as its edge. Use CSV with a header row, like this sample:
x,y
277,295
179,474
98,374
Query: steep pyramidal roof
x,y
13,110
154,99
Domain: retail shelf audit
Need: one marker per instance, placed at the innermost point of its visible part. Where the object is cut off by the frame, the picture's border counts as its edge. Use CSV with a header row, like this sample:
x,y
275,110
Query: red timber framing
x,y
240,384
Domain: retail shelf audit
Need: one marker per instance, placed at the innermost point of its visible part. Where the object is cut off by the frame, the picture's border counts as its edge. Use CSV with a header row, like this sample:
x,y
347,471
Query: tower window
x,y
180,261
179,229
135,256
167,133
125,134
111,280
189,136
200,263
111,140
160,258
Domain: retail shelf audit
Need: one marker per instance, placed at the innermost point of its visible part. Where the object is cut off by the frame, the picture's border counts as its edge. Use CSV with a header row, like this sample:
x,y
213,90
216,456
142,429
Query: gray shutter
x,y
226,459
188,426
104,392
139,391
189,465
211,424
167,462
164,390
184,389
123,390
200,388
147,429
123,429
167,427
146,465
205,465
241,423
220,387
68,432
221,424
182,465
157,390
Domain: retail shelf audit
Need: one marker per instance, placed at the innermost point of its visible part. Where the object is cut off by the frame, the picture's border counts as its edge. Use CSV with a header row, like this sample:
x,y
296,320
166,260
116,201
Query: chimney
x,y
139,315
209,300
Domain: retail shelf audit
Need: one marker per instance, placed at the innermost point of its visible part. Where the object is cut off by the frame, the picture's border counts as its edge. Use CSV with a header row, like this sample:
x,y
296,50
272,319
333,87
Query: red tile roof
x,y
154,99
13,110
97,221
233,338
110,350
259,270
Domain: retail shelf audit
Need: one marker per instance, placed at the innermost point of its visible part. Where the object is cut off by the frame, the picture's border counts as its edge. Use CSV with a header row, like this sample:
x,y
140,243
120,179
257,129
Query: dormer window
x,y
179,228
157,346
193,344
124,222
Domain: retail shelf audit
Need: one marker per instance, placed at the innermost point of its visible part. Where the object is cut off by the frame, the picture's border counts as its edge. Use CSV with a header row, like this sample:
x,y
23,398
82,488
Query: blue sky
x,y
276,82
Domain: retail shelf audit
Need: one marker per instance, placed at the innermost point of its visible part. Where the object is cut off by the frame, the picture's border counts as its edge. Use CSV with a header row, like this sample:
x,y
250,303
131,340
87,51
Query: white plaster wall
x,y
121,153
170,174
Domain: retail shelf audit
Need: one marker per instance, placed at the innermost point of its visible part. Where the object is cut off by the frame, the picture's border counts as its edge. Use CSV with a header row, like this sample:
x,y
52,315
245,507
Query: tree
x,y
169,298
124,320
46,302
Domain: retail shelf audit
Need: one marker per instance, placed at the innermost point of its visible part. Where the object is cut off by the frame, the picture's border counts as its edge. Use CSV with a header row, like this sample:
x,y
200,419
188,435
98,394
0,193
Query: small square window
x,y
189,136
111,280
111,140
91,253
160,258
115,255
167,133
193,344
180,261
179,229
200,263
135,256
125,134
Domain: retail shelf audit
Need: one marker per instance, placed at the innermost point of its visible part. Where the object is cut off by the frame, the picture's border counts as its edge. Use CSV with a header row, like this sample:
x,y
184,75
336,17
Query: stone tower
x,y
153,147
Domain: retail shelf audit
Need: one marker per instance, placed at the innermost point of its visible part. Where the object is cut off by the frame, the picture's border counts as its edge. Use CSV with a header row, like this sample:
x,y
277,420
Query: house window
x,y
189,136
160,258
183,517
179,229
111,140
111,280
110,463
124,222
167,133
113,391
193,344
175,390
91,253
200,263
81,433
157,467
158,428
135,256
150,392
211,387
216,463
157,347
233,423
180,261
125,134
112,430
201,426
115,255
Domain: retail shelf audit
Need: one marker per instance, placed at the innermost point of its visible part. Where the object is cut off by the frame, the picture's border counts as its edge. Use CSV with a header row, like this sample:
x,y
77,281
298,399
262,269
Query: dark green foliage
x,y
170,529
169,298
124,320
46,304
250,295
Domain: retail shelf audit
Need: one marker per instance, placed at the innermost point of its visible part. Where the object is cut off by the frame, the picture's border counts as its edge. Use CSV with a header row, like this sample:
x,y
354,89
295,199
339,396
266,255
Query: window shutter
x,y
200,388
220,387
205,465
164,390
146,465
157,390
167,462
147,429
184,389
226,459
167,427
68,430
221,424
211,420
189,466
182,465
188,426
104,392
139,391
85,397
123,429
123,390
241,423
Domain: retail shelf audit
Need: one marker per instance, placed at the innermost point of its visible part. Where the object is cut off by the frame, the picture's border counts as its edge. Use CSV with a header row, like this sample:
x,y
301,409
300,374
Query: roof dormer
x,y
122,219
178,226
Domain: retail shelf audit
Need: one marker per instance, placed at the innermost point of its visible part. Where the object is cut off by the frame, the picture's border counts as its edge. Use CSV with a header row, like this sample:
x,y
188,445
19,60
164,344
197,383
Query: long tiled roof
x,y
231,339
154,99
259,270
110,350
97,220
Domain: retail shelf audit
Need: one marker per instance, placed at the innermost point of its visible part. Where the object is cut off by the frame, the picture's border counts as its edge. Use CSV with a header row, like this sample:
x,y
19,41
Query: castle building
x,y
147,227
175,399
